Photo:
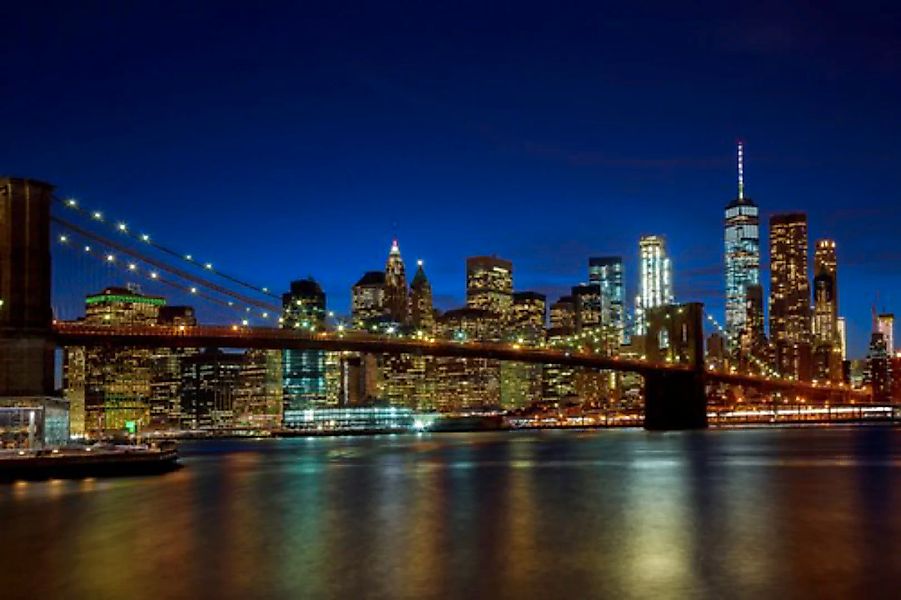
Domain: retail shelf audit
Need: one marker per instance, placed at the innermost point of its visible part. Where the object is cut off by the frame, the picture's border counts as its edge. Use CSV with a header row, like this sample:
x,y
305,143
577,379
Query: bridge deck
x,y
157,336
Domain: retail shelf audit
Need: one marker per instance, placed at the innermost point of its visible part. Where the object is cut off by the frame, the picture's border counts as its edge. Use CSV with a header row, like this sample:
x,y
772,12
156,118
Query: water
x,y
740,513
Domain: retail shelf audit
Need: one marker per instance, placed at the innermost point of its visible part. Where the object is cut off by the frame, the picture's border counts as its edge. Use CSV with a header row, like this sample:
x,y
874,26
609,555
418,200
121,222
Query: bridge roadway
x,y
73,333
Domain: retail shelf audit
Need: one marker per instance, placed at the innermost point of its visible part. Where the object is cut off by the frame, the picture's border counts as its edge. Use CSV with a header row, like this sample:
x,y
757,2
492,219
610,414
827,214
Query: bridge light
x,y
247,309
193,290
230,303
97,215
132,267
110,258
208,266
340,327
122,227
266,290
87,248
72,202
153,275
63,239
145,237
265,315
244,322
331,313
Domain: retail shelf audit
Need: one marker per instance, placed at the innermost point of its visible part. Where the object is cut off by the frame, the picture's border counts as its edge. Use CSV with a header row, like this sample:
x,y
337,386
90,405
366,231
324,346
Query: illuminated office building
x,y
885,324
368,301
607,273
209,381
258,399
656,279
827,351
742,252
304,383
587,300
878,374
753,334
396,301
563,316
841,326
466,384
489,284
521,383
115,381
790,330
166,378
529,316
422,309
825,292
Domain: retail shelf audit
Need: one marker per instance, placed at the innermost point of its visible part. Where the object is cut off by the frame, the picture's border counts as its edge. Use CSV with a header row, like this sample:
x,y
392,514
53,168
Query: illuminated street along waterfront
x,y
721,513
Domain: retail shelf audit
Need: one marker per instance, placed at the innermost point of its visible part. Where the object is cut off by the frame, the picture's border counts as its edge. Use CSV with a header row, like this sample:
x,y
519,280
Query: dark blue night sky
x,y
289,140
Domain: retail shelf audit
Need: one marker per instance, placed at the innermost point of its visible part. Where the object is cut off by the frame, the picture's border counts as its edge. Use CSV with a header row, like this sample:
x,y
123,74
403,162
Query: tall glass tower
x,y
656,279
742,229
304,371
606,272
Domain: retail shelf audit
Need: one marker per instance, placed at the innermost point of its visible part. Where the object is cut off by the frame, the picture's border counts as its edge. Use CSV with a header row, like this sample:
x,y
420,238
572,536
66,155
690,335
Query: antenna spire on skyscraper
x,y
741,170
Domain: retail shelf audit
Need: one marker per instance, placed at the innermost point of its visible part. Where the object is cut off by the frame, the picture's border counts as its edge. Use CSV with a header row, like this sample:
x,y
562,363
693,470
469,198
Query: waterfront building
x,y
112,384
607,273
166,378
559,381
521,383
656,279
304,377
489,284
878,374
467,384
885,324
790,330
209,381
422,309
258,399
742,254
396,301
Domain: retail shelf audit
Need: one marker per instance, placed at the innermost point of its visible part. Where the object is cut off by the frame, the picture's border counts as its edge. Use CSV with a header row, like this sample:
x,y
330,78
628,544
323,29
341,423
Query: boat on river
x,y
98,460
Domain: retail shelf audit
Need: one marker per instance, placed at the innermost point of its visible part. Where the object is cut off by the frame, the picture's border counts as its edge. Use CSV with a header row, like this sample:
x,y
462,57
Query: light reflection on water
x,y
789,512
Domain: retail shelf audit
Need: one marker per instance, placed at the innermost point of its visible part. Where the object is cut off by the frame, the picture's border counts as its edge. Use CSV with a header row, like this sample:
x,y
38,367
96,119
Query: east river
x,y
777,513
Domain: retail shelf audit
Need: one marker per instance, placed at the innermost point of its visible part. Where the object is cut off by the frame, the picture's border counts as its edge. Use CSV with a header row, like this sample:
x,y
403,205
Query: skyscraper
x,y
842,336
742,246
489,284
607,273
396,286
827,351
825,293
422,310
885,324
790,294
368,298
304,371
878,374
656,279
587,299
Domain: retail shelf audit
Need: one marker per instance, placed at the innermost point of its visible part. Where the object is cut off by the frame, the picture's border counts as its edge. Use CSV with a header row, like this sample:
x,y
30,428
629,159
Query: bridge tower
x,y
676,399
26,343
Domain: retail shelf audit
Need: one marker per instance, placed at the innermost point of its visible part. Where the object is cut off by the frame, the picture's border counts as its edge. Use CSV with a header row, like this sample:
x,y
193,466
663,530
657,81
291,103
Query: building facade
x,y
656,279
608,274
742,254
489,284
790,330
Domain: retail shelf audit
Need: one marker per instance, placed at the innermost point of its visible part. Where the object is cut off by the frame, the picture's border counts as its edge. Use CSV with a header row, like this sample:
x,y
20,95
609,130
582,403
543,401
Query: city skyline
x,y
496,149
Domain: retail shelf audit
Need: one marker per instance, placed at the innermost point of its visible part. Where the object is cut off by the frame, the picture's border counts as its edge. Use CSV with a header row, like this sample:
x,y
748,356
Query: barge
x,y
99,460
